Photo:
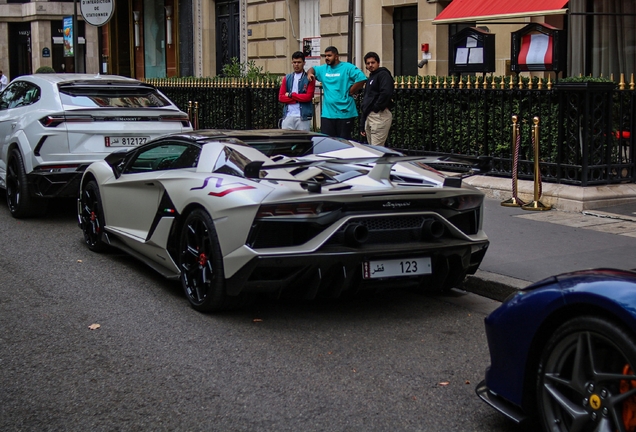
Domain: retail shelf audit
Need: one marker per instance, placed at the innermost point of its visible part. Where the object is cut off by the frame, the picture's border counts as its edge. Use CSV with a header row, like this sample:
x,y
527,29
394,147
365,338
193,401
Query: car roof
x,y
255,133
203,135
70,78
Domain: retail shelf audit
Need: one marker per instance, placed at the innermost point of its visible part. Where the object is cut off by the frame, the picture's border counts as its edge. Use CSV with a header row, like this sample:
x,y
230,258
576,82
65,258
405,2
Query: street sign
x,y
97,12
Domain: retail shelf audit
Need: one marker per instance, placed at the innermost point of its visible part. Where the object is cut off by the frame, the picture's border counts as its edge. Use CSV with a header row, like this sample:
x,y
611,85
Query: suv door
x,y
15,105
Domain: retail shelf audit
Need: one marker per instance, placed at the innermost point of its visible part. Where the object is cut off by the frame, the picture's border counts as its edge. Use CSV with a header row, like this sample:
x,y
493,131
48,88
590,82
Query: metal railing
x,y
586,128
226,103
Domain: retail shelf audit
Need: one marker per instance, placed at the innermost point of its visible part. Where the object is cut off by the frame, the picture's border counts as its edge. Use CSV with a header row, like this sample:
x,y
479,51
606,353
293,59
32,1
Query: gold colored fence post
x,y
190,113
536,204
516,143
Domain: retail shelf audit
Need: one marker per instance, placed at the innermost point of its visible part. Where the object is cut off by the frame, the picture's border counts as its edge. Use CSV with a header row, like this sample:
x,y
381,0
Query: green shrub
x,y
236,69
45,69
580,79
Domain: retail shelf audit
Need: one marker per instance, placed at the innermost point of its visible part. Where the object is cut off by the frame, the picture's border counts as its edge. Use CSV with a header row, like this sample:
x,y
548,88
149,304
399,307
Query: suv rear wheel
x,y
20,202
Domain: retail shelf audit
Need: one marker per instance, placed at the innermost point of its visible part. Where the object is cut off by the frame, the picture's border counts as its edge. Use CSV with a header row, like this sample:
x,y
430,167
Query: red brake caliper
x,y
203,259
629,406
93,219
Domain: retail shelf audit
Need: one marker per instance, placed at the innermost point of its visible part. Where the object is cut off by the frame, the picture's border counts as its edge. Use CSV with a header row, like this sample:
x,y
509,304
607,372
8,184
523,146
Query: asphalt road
x,y
392,361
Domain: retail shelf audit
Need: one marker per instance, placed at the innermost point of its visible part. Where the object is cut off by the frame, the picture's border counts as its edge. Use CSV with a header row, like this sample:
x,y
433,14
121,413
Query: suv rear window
x,y
113,97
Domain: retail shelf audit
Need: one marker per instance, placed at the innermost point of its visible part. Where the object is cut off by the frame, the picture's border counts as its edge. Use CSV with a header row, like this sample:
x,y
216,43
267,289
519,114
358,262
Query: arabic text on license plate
x,y
125,141
396,267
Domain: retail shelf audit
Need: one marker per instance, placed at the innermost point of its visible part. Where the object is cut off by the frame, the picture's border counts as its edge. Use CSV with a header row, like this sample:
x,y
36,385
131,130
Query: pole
x,y
75,46
536,205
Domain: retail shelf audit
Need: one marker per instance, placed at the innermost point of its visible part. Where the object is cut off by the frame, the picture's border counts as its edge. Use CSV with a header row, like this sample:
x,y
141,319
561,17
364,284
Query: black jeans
x,y
337,127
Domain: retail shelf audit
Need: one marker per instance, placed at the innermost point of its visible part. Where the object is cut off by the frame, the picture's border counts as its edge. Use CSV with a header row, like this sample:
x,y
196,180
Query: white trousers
x,y
377,127
293,122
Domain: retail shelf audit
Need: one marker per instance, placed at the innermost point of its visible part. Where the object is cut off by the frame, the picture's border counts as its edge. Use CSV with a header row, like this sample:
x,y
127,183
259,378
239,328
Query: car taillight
x,y
56,168
184,120
463,202
56,120
296,210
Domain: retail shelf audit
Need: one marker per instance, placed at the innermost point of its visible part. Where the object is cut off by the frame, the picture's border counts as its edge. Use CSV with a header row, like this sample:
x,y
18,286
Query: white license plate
x,y
396,267
125,141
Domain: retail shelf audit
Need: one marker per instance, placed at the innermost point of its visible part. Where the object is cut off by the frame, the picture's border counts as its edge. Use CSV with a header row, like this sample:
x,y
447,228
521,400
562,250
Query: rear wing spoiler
x,y
381,171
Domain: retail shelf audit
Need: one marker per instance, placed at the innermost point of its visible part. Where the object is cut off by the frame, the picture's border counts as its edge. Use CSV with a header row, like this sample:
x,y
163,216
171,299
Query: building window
x,y
602,37
154,39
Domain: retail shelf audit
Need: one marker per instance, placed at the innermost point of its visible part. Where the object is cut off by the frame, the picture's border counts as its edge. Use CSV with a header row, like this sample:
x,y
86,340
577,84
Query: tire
x,y
201,264
585,380
92,217
21,203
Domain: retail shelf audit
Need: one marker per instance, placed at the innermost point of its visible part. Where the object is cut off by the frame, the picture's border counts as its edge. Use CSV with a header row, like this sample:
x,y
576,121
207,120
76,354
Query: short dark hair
x,y
298,54
332,49
372,54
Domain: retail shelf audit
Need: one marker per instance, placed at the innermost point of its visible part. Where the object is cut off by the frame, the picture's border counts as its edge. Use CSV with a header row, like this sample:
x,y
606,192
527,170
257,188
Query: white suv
x,y
52,126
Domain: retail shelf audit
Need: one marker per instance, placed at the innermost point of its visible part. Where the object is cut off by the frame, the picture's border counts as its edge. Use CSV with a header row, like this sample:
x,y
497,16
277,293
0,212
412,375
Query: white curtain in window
x,y
611,44
614,38
576,39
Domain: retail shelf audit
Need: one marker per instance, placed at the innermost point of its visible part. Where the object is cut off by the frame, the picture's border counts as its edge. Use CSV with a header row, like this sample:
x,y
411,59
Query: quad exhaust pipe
x,y
432,229
356,234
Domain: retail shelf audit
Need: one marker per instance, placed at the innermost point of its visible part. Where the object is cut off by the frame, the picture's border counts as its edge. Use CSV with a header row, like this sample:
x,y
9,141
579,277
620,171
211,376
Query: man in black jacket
x,y
376,104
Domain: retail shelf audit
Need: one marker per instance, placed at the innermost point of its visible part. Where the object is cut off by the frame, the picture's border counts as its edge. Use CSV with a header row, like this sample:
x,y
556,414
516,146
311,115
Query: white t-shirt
x,y
294,109
3,82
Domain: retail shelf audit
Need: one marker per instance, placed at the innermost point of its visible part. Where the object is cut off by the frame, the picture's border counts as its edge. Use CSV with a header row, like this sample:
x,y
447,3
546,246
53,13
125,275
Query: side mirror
x,y
116,161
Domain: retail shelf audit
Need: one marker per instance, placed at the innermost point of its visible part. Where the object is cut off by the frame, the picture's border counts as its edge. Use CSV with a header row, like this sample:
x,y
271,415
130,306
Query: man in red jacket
x,y
297,92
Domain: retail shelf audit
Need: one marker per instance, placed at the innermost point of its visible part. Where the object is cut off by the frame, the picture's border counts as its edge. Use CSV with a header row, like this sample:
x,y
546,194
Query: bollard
x,y
516,143
536,205
190,113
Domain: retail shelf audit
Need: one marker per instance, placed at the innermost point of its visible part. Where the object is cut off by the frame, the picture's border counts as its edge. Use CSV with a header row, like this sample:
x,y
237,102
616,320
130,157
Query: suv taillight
x,y
184,120
56,120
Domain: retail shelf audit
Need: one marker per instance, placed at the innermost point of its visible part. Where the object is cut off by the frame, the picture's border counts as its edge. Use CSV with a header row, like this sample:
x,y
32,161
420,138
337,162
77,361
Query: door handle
x,y
149,184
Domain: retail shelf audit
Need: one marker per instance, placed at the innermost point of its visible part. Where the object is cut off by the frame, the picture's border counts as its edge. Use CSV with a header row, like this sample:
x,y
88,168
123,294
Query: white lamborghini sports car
x,y
232,213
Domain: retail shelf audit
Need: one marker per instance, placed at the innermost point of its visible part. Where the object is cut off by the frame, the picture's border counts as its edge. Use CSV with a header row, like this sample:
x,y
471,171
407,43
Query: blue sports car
x,y
563,353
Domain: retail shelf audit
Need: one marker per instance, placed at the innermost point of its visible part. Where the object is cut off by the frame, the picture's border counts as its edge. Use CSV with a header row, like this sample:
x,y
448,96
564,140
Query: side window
x,y
4,99
231,162
19,94
164,156
328,144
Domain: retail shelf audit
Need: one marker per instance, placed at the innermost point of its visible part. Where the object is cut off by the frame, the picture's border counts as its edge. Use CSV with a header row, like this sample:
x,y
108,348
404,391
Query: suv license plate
x,y
396,267
125,141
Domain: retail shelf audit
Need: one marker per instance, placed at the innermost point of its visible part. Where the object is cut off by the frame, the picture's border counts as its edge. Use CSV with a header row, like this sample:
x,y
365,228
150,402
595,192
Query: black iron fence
x,y
585,127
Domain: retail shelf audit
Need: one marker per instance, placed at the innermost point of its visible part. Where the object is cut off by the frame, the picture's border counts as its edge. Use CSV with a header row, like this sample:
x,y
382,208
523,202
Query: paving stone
x,y
615,227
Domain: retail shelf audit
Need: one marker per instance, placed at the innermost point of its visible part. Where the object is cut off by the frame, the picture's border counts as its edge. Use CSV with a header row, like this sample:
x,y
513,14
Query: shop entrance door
x,y
227,33
120,29
19,50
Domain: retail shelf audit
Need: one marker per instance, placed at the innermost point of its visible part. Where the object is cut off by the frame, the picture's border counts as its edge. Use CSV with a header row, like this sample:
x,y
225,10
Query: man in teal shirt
x,y
340,81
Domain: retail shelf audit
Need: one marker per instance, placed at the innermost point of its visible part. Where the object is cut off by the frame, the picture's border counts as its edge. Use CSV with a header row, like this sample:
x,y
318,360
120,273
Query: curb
x,y
492,285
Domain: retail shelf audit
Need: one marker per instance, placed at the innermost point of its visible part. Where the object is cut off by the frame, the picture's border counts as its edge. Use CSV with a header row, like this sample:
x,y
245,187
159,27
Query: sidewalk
x,y
528,246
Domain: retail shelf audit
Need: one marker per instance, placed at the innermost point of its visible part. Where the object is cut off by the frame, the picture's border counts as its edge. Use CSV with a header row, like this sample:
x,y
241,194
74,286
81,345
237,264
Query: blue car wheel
x,y
586,379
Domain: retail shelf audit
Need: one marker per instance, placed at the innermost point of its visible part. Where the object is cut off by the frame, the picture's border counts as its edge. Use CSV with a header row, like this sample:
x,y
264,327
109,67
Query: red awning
x,y
488,10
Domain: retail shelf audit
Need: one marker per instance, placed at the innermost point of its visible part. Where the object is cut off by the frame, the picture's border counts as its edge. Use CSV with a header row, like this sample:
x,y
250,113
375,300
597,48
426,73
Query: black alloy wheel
x,y
201,263
92,217
586,379
21,203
